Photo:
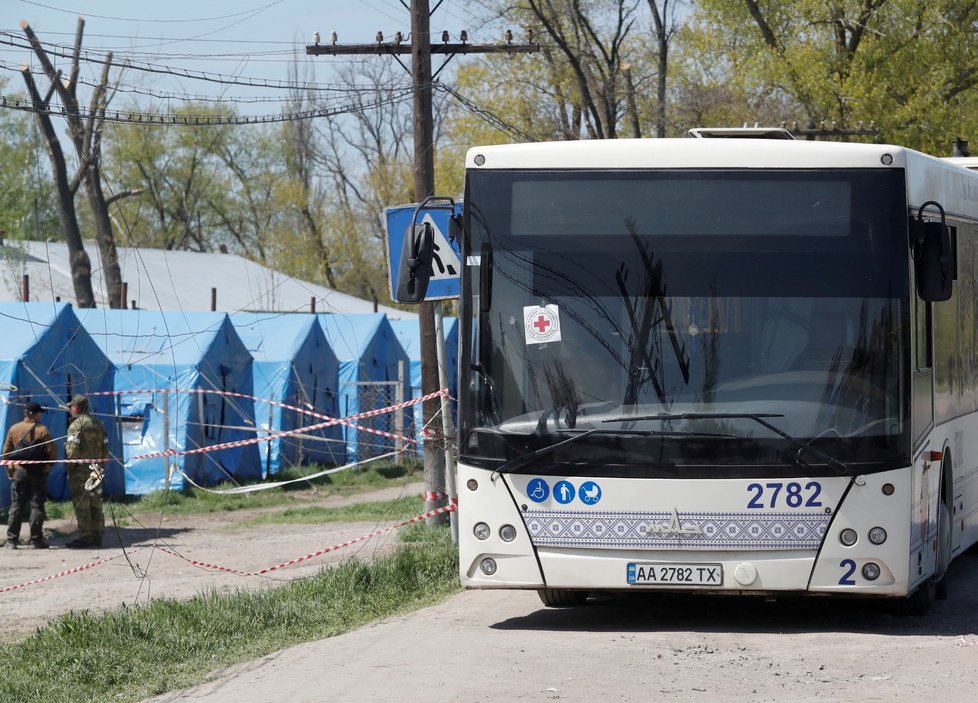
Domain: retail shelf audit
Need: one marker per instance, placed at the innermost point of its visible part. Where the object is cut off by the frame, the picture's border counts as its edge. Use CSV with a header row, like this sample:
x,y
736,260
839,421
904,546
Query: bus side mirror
x,y
414,269
933,258
454,227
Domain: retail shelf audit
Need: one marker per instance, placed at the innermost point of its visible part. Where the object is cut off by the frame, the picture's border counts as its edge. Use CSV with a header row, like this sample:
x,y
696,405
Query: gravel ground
x,y
503,645
491,646
132,572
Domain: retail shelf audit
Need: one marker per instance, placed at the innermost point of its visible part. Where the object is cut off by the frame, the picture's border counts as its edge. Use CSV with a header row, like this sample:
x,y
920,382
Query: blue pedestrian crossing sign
x,y
446,267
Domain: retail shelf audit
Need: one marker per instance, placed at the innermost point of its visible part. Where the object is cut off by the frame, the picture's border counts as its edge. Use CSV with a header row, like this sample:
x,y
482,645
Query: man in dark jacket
x,y
29,441
86,440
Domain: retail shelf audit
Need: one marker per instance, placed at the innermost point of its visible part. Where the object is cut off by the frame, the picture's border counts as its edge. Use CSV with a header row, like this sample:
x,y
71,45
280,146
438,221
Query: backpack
x,y
27,450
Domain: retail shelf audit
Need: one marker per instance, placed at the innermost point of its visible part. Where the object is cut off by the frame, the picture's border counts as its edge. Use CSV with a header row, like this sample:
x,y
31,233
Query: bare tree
x,y
85,129
81,267
663,22
594,54
365,160
301,154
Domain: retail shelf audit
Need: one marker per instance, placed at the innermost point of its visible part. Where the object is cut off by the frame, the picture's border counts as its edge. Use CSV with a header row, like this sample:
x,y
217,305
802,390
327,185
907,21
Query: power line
x,y
125,63
253,10
487,115
156,119
167,95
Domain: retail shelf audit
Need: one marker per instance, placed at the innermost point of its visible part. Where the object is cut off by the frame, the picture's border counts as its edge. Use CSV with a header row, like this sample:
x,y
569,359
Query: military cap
x,y
80,401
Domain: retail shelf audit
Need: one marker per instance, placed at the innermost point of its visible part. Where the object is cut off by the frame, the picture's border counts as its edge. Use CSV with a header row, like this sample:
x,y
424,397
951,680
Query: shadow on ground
x,y
664,612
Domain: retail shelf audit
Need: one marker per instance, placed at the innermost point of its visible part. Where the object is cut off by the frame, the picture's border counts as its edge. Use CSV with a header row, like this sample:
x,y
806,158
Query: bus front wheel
x,y
561,598
935,588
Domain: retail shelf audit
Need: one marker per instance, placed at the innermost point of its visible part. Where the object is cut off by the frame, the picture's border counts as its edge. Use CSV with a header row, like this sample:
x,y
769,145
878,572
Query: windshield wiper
x,y
519,462
756,417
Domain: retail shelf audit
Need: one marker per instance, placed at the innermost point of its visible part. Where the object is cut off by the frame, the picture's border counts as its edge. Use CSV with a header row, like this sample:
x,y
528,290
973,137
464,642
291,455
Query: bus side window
x,y
923,347
922,401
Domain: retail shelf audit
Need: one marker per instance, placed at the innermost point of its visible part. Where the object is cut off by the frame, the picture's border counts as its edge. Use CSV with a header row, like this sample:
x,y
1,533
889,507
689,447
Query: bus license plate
x,y
675,574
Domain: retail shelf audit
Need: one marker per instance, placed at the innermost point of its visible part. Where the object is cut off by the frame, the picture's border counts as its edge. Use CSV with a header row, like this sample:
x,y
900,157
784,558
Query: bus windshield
x,y
656,311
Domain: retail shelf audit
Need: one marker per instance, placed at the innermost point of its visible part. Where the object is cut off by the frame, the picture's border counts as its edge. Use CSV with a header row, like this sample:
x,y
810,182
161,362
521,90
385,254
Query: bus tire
x,y
935,587
943,550
920,601
561,598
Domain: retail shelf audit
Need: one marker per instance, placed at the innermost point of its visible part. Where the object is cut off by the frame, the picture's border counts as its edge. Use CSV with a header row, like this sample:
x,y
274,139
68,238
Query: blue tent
x,y
293,365
176,355
409,334
46,357
370,356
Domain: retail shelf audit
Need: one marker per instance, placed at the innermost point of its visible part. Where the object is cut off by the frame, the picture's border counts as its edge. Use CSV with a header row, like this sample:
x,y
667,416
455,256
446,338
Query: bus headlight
x,y
877,535
848,537
871,571
481,530
507,533
488,566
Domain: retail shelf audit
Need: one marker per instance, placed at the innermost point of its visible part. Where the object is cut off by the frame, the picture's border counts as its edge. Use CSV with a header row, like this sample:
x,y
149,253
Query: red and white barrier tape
x,y
26,462
287,433
450,508
67,572
432,496
254,440
286,406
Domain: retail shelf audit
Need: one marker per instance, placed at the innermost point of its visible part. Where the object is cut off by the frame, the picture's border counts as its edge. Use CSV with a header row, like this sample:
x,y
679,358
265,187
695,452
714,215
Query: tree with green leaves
x,y
26,203
185,182
910,67
364,163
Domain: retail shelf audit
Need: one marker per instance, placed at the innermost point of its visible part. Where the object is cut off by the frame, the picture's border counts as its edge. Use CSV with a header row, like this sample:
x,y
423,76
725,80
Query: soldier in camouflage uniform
x,y
86,440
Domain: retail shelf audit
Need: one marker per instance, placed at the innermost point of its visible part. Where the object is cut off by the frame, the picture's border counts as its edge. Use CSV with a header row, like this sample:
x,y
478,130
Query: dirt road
x,y
503,646
137,573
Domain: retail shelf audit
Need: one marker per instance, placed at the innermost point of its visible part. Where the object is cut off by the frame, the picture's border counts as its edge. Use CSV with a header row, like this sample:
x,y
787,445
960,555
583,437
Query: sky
x,y
247,39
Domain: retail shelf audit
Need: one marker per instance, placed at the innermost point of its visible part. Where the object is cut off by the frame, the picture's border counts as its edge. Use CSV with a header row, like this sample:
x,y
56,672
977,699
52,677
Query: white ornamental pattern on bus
x,y
541,323
688,530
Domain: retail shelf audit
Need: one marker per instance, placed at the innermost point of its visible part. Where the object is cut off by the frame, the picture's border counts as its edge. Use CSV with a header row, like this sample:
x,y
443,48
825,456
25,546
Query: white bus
x,y
739,366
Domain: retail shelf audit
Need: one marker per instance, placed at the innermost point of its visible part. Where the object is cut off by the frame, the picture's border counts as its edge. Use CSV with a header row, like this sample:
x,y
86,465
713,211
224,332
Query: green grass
x,y
195,501
313,514
133,653
54,510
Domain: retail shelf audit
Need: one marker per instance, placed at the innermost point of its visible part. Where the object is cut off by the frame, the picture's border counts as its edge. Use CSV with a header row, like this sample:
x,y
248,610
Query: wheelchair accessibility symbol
x,y
537,490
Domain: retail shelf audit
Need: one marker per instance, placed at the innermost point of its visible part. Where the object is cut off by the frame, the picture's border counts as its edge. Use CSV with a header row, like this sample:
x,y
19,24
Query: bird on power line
x,y
315,38
508,36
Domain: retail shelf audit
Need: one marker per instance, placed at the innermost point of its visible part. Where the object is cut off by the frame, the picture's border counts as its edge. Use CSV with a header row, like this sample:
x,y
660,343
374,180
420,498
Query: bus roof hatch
x,y
740,133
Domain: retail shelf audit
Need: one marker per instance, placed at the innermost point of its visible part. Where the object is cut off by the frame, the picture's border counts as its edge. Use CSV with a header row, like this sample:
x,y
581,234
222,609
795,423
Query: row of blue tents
x,y
182,381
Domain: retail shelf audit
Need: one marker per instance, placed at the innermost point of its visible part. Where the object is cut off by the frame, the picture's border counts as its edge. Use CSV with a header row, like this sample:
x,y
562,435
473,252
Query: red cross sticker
x,y
542,323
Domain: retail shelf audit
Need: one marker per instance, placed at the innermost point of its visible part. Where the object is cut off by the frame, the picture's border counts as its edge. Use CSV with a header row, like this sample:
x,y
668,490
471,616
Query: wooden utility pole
x,y
421,50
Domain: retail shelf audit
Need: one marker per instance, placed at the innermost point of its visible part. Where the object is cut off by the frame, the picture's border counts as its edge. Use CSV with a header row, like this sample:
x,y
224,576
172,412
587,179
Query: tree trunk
x,y
104,237
86,135
663,32
81,268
